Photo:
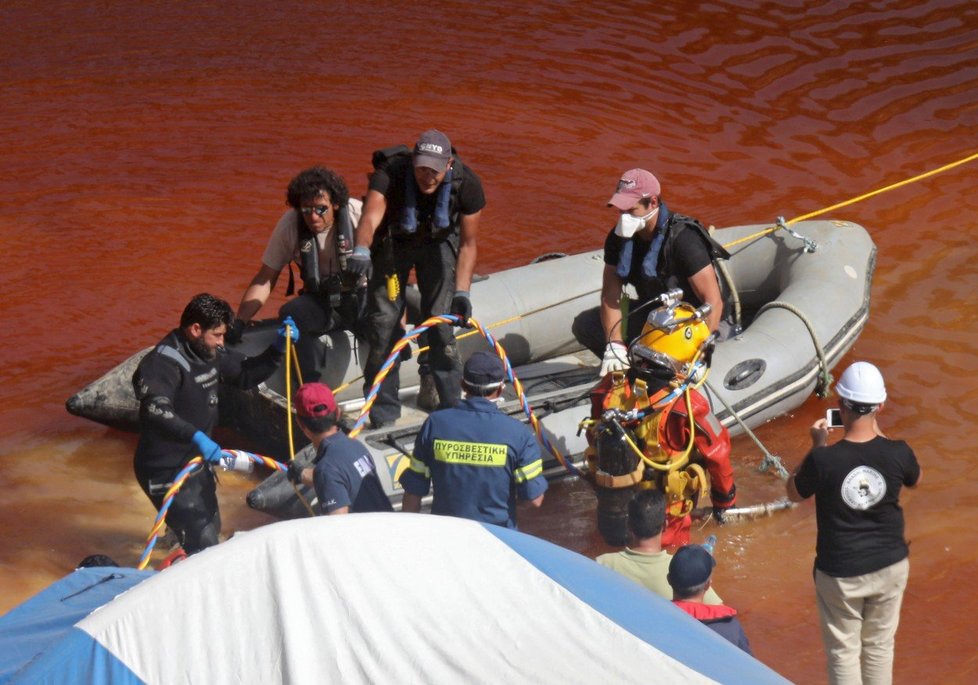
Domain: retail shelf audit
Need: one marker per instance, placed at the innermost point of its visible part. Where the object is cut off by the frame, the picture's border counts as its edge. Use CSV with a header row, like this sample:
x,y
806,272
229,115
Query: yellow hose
x,y
671,465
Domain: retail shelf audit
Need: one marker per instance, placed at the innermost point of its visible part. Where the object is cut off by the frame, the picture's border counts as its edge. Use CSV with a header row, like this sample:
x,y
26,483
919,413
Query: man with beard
x,y
176,385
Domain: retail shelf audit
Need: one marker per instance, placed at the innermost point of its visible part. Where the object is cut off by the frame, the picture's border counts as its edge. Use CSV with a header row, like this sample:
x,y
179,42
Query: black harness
x,y
334,285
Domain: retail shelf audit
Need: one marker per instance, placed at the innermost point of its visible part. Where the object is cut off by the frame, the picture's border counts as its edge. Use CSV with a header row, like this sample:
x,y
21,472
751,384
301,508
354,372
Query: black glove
x,y
461,307
719,516
295,472
234,332
359,262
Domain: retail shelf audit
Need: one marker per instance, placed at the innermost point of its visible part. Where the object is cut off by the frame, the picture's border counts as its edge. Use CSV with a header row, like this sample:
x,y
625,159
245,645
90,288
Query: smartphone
x,y
834,418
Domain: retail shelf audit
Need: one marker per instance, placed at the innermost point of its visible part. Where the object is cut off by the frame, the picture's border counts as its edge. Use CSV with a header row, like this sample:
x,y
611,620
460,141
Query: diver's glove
x,y
359,262
720,515
294,473
461,307
209,450
615,358
234,332
288,329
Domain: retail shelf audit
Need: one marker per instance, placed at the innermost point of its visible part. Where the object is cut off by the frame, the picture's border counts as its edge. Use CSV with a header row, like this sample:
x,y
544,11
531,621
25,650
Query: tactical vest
x,y
312,279
396,161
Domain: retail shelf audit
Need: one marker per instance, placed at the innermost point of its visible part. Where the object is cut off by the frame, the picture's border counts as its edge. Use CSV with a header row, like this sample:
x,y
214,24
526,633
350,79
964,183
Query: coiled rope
x,y
451,319
824,384
501,322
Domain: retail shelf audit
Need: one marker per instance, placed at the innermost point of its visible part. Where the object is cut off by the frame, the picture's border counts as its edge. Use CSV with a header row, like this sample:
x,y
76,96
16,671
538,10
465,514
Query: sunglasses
x,y
318,209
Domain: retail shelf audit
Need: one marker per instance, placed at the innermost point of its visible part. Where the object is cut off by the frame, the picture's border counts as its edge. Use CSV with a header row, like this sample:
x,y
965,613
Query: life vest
x,y
678,223
444,221
308,246
669,226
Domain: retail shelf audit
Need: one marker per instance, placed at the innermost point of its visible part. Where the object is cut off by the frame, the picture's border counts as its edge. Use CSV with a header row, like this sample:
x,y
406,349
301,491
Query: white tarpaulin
x,y
391,598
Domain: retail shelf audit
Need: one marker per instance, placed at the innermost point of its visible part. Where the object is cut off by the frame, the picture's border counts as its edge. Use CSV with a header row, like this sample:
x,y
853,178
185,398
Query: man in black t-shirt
x,y
422,212
654,250
861,564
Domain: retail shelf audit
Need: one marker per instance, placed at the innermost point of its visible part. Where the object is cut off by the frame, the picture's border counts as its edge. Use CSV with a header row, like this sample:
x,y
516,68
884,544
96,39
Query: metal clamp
x,y
810,245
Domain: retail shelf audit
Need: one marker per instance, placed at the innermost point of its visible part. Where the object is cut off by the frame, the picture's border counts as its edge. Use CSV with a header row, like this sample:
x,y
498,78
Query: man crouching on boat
x,y
176,385
343,473
317,234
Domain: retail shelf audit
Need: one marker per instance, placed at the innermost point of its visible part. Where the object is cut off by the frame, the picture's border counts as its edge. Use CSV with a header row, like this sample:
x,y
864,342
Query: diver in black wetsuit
x,y
176,385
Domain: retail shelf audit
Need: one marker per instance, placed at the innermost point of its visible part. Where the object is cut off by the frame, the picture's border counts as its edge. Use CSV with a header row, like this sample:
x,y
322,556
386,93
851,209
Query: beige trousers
x,y
859,617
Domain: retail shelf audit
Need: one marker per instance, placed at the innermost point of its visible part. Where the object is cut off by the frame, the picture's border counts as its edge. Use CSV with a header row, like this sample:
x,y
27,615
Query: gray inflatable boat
x,y
802,296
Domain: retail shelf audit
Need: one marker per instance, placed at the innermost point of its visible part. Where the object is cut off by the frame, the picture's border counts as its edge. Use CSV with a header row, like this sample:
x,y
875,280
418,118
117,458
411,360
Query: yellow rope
x,y
289,355
860,198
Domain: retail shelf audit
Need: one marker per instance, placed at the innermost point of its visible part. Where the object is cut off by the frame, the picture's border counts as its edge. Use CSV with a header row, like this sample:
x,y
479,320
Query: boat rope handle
x,y
893,186
452,319
290,352
824,384
770,461
181,477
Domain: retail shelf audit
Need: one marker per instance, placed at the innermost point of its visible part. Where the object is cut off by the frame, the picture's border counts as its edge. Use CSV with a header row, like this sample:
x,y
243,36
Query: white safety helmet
x,y
862,383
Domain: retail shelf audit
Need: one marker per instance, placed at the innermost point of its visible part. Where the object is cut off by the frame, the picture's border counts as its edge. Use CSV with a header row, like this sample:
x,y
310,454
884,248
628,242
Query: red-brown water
x,y
146,149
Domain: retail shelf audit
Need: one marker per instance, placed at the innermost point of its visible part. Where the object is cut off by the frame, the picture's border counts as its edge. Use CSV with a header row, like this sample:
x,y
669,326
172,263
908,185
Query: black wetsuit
x,y
177,393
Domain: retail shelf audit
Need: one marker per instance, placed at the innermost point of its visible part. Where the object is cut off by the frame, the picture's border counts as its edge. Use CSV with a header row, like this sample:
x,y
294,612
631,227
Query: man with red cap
x,y
343,473
654,250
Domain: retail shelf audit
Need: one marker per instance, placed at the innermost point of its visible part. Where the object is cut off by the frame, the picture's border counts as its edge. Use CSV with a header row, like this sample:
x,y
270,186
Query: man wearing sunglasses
x,y
317,234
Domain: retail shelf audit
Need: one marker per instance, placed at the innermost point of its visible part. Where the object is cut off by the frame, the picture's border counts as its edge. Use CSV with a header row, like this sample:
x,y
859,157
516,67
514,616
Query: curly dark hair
x,y
310,182
207,310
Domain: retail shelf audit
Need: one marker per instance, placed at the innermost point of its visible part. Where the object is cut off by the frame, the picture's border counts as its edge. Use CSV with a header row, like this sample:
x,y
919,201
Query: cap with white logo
x,y
433,150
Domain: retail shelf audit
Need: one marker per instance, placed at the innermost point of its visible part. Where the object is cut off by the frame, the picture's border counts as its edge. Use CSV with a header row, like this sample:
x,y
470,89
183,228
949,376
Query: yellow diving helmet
x,y
672,339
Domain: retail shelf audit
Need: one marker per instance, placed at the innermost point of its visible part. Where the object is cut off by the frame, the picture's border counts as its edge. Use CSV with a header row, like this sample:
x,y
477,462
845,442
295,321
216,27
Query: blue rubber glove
x,y
288,329
209,450
359,262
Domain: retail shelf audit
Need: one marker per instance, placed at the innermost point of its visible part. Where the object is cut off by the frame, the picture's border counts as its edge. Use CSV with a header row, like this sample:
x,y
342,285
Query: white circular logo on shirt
x,y
863,487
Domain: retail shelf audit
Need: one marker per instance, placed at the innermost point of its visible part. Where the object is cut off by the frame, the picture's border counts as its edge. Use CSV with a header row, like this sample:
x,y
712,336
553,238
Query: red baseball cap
x,y
314,400
634,185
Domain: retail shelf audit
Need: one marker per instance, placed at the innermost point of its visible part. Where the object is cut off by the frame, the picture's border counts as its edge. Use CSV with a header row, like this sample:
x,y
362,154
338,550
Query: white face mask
x,y
628,224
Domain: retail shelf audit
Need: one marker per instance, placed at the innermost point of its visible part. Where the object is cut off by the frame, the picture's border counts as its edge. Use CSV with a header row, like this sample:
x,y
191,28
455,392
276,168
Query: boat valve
x,y
810,245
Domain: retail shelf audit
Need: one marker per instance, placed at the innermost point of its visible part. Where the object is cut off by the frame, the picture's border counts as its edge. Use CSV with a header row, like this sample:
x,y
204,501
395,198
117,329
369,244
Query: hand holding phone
x,y
833,417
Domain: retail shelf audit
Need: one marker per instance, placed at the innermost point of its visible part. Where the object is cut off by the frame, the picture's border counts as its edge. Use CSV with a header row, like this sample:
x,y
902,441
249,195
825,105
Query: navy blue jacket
x,y
478,459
